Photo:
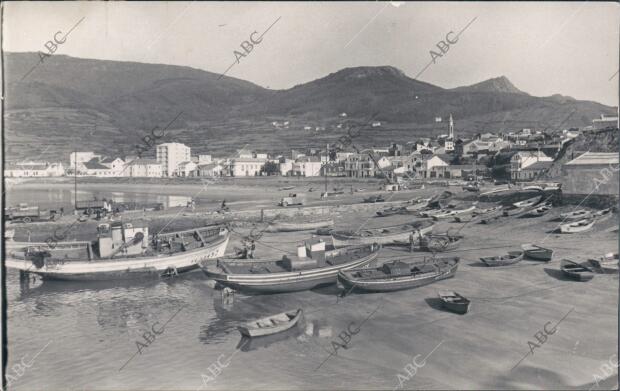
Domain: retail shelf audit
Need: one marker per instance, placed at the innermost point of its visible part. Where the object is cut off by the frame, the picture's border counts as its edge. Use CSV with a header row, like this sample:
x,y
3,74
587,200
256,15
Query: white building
x,y
117,165
34,169
185,169
245,166
170,155
307,166
81,157
148,168
603,122
204,159
523,159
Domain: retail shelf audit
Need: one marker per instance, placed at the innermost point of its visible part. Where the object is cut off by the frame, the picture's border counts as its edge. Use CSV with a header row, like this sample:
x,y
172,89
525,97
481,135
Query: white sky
x,y
543,48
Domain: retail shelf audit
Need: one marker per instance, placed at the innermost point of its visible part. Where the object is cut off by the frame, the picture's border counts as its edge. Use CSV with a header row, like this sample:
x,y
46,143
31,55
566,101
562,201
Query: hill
x,y
68,103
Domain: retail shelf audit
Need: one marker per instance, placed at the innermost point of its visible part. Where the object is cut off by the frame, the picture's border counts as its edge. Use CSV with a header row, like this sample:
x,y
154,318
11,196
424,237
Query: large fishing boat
x,y
121,251
382,235
313,266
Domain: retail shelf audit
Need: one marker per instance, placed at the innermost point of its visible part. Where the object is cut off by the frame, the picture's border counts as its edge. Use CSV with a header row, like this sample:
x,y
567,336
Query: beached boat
x,y
271,324
121,251
607,264
576,271
281,226
537,212
393,210
417,204
577,226
440,242
382,235
537,252
313,266
453,212
397,275
503,260
287,188
575,215
527,203
471,187
454,302
373,199
603,214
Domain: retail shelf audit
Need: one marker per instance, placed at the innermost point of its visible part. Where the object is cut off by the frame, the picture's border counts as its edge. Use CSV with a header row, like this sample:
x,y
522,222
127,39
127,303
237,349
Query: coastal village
x,y
520,156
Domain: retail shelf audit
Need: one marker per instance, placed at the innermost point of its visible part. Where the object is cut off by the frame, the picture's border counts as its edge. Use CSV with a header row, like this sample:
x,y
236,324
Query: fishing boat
x,y
537,212
527,203
440,242
393,210
312,266
454,302
121,251
603,214
450,213
373,199
575,215
416,205
281,226
607,264
577,226
382,235
503,260
271,324
537,252
471,187
397,275
287,188
576,271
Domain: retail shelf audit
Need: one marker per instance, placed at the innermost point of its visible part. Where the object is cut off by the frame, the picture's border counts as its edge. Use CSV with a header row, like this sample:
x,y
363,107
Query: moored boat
x,y
607,264
382,235
121,251
454,302
271,324
537,252
313,266
282,226
397,275
577,226
440,242
576,271
503,260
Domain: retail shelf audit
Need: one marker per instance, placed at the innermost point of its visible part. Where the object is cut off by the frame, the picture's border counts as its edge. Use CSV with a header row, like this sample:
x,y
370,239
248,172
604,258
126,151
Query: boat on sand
x,y
312,266
503,260
440,242
607,264
576,271
382,235
397,275
575,215
577,226
537,252
271,324
454,302
282,226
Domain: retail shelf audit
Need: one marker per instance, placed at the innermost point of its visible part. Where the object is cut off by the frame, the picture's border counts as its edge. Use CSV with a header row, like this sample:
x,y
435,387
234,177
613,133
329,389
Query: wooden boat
x,y
287,188
393,210
382,235
607,264
602,215
527,203
281,226
503,260
417,204
575,215
576,271
577,226
465,218
121,251
537,252
271,324
373,199
313,266
324,231
537,212
471,187
454,302
397,275
449,213
440,242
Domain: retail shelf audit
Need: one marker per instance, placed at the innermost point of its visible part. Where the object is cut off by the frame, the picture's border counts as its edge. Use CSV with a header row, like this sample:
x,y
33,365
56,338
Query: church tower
x,y
449,145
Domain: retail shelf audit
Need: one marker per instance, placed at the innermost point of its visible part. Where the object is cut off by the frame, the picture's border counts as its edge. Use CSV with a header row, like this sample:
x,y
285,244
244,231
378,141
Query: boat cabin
x,y
396,268
122,239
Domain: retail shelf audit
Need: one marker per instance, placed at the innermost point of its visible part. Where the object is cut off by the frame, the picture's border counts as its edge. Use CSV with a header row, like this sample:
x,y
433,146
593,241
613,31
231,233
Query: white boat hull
x,y
342,241
120,269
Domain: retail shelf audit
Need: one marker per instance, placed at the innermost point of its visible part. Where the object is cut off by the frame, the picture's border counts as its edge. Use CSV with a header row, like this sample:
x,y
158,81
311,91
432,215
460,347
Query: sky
x,y
545,48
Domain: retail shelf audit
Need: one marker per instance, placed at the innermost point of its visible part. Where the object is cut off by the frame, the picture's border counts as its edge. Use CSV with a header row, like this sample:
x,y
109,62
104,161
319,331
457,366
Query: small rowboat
x,y
287,188
454,212
382,235
393,210
415,205
575,215
576,271
454,302
603,214
607,264
439,243
527,203
397,275
577,226
537,212
503,260
282,226
374,199
537,252
271,324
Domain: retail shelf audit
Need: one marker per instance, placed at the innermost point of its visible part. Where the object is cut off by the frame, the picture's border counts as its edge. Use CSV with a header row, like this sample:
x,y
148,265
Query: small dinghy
x,y
393,210
576,271
271,324
382,235
302,225
503,260
607,264
440,242
577,226
603,214
537,252
454,302
539,211
454,212
397,275
575,215
527,203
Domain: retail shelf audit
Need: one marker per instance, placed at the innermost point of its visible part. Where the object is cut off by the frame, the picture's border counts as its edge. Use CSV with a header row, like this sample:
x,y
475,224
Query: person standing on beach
x,y
411,242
